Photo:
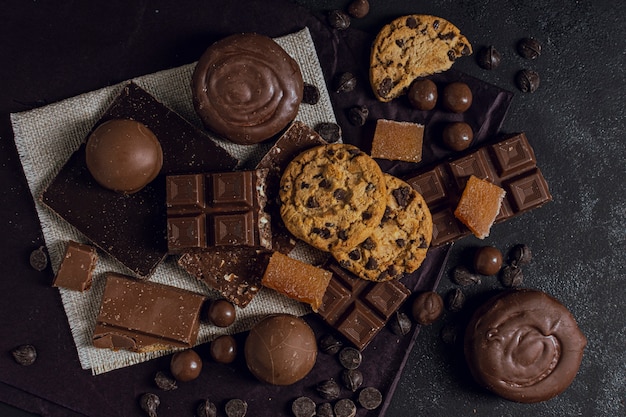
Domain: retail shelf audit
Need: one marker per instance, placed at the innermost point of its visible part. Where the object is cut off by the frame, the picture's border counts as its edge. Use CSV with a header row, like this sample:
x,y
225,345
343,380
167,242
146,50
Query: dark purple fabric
x,y
31,310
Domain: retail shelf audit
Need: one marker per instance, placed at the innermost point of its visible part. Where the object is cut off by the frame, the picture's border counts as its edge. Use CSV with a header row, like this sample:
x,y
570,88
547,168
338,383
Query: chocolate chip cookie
x,y
410,47
399,243
332,196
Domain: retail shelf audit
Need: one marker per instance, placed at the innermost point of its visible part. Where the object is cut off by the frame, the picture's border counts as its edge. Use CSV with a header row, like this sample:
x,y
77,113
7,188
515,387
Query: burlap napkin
x,y
63,126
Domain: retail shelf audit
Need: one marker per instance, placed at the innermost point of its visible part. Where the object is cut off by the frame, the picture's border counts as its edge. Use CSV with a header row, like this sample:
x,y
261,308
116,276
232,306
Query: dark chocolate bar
x,y
143,316
131,227
220,209
510,164
358,308
234,271
298,138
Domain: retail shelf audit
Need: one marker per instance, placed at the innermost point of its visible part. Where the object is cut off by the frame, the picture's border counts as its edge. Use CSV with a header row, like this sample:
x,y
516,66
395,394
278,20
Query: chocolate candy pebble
x,y
303,407
457,97
423,94
370,398
236,408
457,136
224,349
359,8
487,260
221,313
350,358
149,403
186,365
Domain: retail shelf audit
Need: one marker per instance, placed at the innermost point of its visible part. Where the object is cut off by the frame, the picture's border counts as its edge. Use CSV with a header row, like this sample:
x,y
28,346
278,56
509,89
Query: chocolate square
x,y
131,228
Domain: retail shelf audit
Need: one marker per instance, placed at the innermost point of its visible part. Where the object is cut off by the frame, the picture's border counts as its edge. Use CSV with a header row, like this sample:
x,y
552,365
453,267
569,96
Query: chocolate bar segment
x,y
130,228
220,209
357,308
509,163
234,271
143,316
76,269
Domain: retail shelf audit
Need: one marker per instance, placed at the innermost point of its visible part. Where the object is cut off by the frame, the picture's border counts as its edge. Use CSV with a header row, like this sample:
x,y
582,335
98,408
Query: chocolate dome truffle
x,y
281,349
524,346
246,88
123,155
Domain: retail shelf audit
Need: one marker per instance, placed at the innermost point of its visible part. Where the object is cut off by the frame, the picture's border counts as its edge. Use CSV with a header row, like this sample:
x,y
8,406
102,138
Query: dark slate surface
x,y
575,122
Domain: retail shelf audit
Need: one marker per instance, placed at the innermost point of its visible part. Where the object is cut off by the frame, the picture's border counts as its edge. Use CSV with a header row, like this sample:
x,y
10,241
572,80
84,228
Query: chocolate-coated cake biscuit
x,y
332,196
247,88
410,47
524,345
399,243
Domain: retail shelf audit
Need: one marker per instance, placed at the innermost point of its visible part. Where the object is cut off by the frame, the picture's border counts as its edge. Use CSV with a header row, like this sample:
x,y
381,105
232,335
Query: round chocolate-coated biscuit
x,y
247,88
524,345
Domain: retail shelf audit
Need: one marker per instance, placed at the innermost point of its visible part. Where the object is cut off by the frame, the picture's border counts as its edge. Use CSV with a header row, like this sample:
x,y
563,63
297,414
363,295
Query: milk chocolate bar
x,y
509,163
131,227
76,269
143,316
219,209
358,308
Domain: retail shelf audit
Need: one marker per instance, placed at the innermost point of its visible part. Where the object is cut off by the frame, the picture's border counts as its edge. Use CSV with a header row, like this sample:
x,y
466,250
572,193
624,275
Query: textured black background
x,y
575,122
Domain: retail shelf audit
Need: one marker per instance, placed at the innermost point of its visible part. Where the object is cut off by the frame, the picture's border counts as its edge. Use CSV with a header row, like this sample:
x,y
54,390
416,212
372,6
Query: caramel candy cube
x,y
296,279
479,205
398,141
76,269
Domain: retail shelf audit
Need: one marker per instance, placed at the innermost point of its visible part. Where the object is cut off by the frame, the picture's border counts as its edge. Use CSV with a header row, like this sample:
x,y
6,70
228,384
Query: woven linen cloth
x,y
47,136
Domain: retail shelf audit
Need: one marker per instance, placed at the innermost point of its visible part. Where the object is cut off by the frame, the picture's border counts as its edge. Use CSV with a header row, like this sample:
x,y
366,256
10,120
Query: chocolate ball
x,y
457,97
359,8
457,136
186,365
427,307
123,155
221,313
224,349
487,260
281,349
423,94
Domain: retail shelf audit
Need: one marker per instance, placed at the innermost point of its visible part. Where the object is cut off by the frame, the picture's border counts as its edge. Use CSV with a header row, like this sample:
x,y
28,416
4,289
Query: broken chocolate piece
x,y
76,269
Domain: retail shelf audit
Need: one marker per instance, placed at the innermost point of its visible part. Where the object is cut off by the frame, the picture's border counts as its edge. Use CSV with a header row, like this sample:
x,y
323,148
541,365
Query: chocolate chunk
x,y
76,269
338,19
311,202
385,87
509,163
165,382
529,48
345,408
149,403
527,80
352,379
303,407
371,264
218,209
130,227
368,244
234,271
38,259
370,398
25,355
130,319
330,132
236,408
358,115
311,94
489,58
355,255
350,358
206,409
403,196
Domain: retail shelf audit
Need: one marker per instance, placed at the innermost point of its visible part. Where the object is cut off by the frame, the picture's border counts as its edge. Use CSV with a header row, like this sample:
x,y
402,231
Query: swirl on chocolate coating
x,y
524,346
247,88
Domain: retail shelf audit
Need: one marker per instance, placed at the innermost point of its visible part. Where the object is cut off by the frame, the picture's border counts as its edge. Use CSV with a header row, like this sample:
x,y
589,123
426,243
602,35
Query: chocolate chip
x,y
529,48
345,408
436,24
354,254
236,408
310,94
340,194
370,186
149,403
39,259
368,244
370,398
451,55
304,185
330,132
489,58
463,276
411,22
358,115
25,355
338,19
345,264
311,202
359,8
511,276
455,299
520,255
206,409
164,381
403,196
325,183
342,234
324,233
401,243
400,324
385,87
329,344
350,358
325,410
345,82
527,81
371,264
352,379
303,407
366,215
329,389
386,215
